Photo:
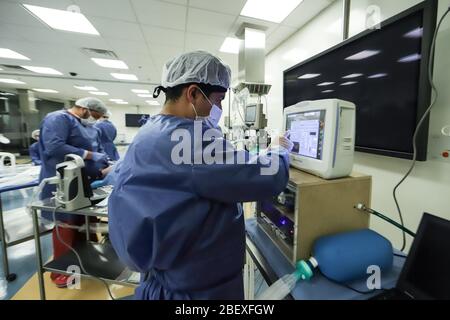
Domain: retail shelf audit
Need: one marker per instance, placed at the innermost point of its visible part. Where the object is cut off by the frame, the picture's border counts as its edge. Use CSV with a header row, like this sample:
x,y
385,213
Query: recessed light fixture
x,y
85,88
153,102
115,100
365,54
145,95
99,93
110,63
11,81
269,10
6,94
45,90
10,54
378,75
327,91
1,69
309,76
124,76
121,102
352,76
325,84
230,45
140,91
63,19
349,83
43,70
411,58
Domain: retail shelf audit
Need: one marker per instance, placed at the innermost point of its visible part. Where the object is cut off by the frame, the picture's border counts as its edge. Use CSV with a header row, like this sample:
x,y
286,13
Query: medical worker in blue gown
x,y
35,154
177,222
69,132
108,134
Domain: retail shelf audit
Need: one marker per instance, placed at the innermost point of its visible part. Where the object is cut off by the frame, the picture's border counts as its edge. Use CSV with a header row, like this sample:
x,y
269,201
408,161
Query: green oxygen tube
x,y
279,290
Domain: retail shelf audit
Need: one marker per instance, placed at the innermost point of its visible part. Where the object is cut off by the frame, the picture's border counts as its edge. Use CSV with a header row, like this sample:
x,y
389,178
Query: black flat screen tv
x,y
384,72
135,120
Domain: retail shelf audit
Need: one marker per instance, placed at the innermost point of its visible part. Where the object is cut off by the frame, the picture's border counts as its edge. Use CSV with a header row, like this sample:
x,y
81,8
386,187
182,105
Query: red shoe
x,y
61,281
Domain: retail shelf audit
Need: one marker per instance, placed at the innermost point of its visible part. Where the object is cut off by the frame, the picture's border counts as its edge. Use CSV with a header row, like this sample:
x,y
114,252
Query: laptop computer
x,y
426,273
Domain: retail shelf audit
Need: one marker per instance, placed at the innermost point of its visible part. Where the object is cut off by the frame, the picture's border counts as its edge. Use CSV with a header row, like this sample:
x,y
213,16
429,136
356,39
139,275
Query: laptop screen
x,y
426,274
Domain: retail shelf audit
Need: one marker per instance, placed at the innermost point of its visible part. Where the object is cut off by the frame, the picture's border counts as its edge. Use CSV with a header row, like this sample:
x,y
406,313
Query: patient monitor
x,y
323,133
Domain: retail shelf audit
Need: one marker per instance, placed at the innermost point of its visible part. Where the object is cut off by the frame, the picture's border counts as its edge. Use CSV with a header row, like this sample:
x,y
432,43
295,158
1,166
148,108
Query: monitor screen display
x,y
135,120
381,73
429,262
307,133
250,114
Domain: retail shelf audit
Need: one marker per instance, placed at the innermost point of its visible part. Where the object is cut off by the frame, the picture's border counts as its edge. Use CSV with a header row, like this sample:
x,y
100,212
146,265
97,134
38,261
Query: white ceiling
x,y
143,33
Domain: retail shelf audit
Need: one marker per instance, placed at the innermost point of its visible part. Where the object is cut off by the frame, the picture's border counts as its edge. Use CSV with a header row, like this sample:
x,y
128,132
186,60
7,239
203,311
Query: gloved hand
x,y
98,184
97,157
283,142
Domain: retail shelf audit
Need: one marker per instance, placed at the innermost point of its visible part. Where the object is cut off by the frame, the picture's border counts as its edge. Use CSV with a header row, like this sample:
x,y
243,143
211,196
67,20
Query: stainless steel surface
x,y
346,19
4,244
37,240
49,205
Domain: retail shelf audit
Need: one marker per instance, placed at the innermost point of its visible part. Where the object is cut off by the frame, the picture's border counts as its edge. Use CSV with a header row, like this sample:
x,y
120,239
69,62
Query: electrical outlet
x,y
439,149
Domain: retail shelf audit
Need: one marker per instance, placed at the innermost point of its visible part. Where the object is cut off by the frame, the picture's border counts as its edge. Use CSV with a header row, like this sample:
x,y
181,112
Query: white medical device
x,y
323,133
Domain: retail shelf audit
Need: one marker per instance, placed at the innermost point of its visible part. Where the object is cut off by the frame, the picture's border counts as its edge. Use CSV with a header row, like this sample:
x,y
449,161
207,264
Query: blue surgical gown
x,y
108,134
61,134
35,155
182,225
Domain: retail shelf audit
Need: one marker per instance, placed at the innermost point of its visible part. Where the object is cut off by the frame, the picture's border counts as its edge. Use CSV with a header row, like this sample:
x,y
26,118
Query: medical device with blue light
x,y
323,133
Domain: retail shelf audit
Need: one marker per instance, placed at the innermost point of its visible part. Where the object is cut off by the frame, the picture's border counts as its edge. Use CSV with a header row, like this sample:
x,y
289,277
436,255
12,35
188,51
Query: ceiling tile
x,y
207,22
157,13
181,2
209,43
116,9
163,36
165,52
44,36
14,13
60,4
118,29
233,7
307,10
120,45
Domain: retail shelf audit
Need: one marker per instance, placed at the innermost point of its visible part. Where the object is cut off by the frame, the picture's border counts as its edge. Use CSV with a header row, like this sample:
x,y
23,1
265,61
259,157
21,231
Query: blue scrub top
x,y
61,134
108,134
35,154
183,224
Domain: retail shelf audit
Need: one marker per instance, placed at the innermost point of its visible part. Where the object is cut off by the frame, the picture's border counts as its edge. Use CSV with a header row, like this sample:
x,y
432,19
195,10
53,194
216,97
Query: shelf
x,y
289,214
99,260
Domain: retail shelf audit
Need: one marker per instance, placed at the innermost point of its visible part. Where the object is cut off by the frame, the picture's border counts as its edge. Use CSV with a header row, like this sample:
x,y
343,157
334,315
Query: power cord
x,y
77,255
421,122
350,287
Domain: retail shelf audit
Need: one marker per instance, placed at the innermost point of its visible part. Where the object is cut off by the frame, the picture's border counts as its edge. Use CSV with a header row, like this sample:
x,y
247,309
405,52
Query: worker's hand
x,y
98,184
286,143
283,142
99,157
106,171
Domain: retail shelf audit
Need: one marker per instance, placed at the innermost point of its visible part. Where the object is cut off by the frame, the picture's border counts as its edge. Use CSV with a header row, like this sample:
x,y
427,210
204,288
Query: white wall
x,y
118,118
428,188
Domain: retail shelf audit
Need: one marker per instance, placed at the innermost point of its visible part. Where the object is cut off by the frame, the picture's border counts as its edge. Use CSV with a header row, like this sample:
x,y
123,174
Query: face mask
x,y
215,114
89,121
214,117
